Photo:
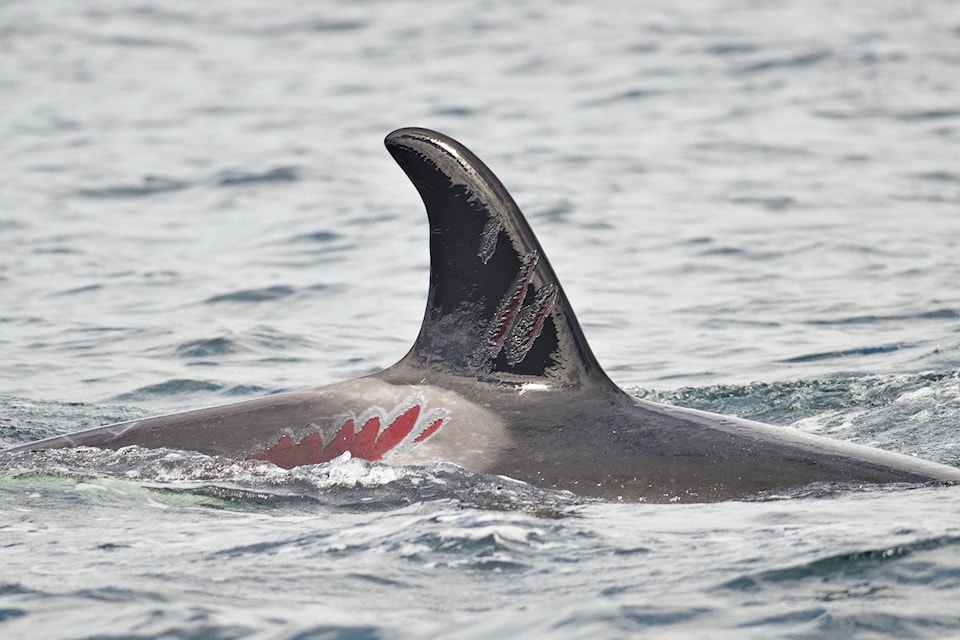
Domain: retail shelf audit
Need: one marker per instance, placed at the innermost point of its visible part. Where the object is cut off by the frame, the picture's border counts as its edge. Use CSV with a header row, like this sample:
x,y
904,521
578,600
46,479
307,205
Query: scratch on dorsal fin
x,y
488,238
529,323
501,324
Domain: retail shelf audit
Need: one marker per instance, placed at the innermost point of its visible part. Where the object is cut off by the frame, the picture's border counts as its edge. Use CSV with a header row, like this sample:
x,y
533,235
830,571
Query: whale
x,y
501,380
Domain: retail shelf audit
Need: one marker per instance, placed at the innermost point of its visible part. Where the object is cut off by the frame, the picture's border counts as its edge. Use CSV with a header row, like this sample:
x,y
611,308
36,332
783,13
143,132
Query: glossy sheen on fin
x,y
495,310
500,380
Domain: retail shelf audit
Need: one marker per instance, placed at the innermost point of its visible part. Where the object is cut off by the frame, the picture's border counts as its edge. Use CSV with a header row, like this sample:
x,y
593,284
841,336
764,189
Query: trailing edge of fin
x,y
495,310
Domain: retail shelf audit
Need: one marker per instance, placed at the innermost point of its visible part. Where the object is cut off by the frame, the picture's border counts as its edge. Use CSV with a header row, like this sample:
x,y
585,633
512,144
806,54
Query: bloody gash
x,y
501,380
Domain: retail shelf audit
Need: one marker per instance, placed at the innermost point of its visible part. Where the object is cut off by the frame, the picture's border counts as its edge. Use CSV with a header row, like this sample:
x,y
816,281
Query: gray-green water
x,y
753,207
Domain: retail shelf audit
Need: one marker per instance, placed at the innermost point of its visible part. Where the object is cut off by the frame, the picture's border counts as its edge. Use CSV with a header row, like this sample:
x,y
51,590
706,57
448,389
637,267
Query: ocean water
x,y
754,208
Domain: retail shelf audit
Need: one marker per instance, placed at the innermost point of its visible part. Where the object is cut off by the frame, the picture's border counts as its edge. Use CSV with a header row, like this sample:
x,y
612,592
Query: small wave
x,y
180,387
771,203
154,185
75,290
319,25
173,387
454,112
847,564
345,483
882,625
278,174
247,390
647,616
207,348
629,96
764,150
740,253
827,490
933,314
142,42
920,115
24,420
114,594
731,48
151,185
927,114
317,236
802,60
487,552
938,176
253,295
9,224
846,353
792,401
11,612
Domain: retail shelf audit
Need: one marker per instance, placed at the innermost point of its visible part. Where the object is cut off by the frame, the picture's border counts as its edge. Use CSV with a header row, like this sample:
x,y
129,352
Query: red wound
x,y
397,431
370,442
429,431
366,443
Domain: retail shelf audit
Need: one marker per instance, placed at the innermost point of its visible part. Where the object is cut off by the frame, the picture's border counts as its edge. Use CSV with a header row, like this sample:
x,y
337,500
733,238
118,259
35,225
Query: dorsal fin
x,y
495,311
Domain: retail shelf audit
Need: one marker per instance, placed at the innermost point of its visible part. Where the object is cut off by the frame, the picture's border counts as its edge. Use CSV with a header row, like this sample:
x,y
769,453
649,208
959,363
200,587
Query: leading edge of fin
x,y
495,311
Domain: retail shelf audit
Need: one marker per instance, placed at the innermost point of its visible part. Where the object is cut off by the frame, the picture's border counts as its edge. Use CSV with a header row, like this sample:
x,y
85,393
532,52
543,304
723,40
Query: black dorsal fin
x,y
495,311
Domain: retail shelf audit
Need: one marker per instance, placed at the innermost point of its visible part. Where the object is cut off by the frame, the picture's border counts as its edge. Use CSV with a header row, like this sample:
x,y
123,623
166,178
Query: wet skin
x,y
501,380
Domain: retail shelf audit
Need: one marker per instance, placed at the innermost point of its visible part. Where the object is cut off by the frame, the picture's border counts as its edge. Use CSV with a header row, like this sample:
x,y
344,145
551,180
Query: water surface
x,y
752,207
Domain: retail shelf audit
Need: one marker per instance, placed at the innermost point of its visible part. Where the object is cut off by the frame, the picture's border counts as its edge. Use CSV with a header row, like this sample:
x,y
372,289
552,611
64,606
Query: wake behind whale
x,y
501,380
